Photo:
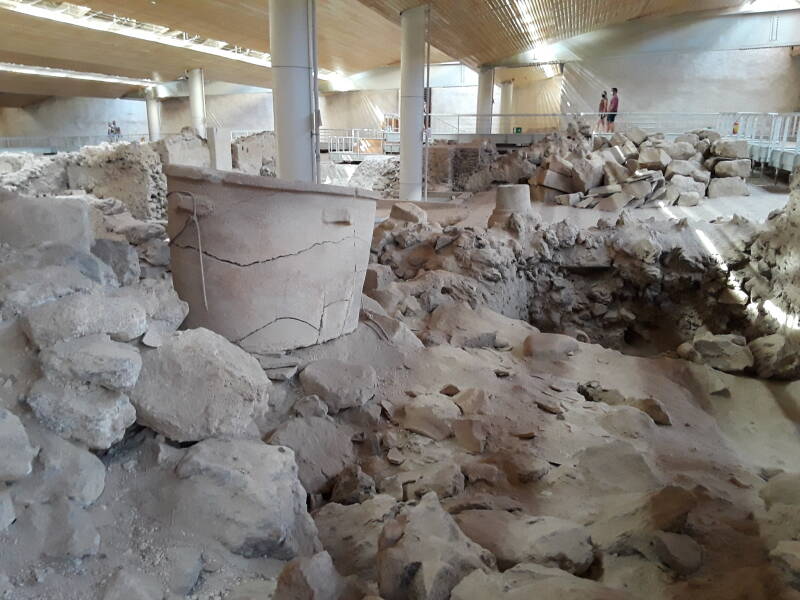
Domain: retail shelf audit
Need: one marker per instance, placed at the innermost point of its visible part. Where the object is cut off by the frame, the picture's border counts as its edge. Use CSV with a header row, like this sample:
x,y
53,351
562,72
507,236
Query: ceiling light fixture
x,y
82,16
66,74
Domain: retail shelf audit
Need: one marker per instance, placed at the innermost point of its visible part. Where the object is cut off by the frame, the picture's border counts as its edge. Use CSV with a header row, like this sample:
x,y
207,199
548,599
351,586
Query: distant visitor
x,y
613,108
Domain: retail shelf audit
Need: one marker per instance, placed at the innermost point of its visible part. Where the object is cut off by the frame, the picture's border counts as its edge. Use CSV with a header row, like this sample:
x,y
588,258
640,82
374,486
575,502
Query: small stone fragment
x,y
16,452
409,212
352,486
679,552
310,578
322,449
339,384
470,434
430,415
79,315
515,539
92,415
94,359
127,585
198,385
423,554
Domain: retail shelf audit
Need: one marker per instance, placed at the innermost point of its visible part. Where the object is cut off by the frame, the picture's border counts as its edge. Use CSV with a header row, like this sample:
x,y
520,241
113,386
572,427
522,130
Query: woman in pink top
x,y
601,124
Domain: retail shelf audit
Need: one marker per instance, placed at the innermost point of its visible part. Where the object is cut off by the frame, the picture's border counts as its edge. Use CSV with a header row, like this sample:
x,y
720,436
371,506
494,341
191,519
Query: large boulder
x,y
94,359
423,554
783,488
776,356
31,221
728,352
350,533
245,494
127,585
62,469
165,310
24,288
587,173
727,186
636,135
683,184
730,148
16,452
517,538
339,384
322,447
786,557
532,581
88,414
680,167
85,314
62,529
310,578
680,150
198,385
733,168
121,257
654,158
641,514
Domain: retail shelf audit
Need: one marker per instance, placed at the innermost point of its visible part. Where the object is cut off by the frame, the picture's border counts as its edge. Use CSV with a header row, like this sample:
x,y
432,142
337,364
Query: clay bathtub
x,y
282,263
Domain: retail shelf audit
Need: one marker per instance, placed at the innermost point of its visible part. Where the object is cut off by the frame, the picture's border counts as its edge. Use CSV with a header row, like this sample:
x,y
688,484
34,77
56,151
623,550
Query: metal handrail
x,y
773,136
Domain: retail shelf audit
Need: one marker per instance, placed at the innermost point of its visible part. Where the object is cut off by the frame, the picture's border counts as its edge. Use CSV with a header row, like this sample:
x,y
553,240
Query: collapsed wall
x,y
641,170
130,173
656,284
381,175
255,154
185,148
777,252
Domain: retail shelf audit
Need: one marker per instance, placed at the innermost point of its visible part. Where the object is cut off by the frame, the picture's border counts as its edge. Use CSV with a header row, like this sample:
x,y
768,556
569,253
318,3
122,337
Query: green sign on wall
x,y
517,129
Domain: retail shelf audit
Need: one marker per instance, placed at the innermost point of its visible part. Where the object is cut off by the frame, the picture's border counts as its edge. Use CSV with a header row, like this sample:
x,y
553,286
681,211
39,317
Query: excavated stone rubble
x,y
612,284
130,173
638,169
470,440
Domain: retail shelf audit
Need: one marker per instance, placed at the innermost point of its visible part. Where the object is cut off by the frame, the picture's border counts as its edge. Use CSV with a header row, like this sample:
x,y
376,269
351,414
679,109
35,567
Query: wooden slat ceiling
x,y
16,83
41,42
479,32
350,39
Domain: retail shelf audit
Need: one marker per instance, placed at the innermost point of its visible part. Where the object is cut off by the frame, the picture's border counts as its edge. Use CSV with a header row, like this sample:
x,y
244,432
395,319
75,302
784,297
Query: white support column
x,y
197,101
293,93
485,100
219,146
412,101
153,114
507,106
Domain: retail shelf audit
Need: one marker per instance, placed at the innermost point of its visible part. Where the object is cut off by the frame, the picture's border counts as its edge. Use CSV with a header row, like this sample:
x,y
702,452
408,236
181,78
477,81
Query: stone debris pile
x,y
608,284
448,448
380,174
255,154
128,173
637,169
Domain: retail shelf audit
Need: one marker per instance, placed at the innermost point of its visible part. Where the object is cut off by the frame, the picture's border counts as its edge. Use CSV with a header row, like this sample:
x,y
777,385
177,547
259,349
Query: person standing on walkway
x,y
613,109
601,123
